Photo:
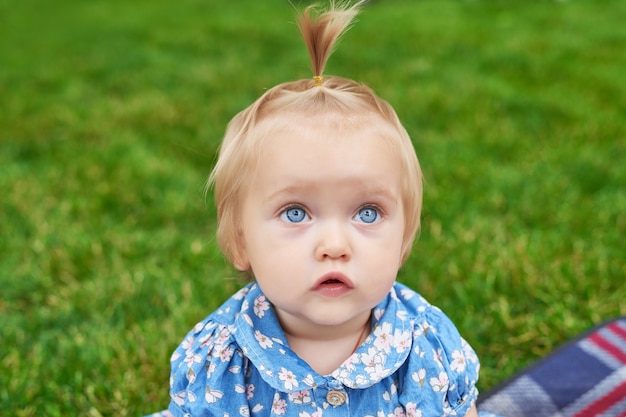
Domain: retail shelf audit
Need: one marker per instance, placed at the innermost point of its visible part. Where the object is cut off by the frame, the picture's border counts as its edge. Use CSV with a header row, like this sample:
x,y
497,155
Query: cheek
x,y
402,241
388,256
277,257
394,237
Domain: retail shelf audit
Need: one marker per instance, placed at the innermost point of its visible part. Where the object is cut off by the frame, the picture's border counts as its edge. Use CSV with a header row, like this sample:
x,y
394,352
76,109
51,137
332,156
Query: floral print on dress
x,y
237,362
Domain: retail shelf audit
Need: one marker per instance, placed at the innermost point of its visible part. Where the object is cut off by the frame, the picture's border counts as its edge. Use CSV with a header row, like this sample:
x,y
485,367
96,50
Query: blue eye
x,y
367,215
294,215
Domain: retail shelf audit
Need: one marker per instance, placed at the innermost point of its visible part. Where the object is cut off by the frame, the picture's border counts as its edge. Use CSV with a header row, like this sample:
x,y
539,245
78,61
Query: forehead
x,y
341,130
329,151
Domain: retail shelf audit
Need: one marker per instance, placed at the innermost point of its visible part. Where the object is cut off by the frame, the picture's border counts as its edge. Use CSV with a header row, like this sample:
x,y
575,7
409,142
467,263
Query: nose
x,y
333,242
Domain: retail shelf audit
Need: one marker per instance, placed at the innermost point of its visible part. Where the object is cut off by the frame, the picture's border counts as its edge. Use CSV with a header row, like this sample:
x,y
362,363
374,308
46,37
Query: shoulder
x,y
426,318
429,323
440,357
217,329
208,356
410,301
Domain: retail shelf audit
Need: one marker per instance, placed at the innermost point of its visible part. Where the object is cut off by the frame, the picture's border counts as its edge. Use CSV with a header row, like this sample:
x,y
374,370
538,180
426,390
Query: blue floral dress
x,y
237,362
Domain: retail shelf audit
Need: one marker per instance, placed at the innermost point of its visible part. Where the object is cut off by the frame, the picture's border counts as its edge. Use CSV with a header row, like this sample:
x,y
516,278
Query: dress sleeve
x,y
206,372
443,366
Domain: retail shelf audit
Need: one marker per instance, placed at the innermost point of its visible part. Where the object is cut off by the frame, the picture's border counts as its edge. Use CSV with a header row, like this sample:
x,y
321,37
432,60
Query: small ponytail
x,y
321,32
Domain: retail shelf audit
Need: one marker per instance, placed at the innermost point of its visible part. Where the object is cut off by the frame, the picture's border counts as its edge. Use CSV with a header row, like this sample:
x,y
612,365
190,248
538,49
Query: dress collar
x,y
258,333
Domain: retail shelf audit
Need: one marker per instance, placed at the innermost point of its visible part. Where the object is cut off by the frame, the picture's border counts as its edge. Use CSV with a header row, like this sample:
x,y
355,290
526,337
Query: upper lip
x,y
334,276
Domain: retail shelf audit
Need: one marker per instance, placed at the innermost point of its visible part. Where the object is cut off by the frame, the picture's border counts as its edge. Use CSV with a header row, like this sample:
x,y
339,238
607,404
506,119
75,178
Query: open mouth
x,y
333,285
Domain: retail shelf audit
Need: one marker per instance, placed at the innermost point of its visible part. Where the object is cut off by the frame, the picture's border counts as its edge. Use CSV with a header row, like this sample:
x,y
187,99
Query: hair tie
x,y
318,80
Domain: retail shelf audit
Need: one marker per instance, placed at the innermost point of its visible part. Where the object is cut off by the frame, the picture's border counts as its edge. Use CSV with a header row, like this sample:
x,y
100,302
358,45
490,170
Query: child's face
x,y
322,221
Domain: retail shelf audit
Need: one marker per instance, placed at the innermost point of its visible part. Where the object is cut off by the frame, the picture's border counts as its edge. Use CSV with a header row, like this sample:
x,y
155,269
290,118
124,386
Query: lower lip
x,y
335,289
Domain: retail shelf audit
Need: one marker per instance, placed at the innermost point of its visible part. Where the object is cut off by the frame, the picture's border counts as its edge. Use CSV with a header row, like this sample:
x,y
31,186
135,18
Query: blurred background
x,y
111,113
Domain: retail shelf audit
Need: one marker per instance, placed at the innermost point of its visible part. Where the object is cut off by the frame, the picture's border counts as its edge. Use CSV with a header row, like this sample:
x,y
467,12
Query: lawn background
x,y
111,113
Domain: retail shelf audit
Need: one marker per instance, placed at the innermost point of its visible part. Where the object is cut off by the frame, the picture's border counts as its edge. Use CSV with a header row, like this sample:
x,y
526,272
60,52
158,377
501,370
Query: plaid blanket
x,y
584,378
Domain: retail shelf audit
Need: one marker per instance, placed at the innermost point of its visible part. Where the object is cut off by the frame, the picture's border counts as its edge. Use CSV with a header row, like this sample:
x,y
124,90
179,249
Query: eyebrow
x,y
375,191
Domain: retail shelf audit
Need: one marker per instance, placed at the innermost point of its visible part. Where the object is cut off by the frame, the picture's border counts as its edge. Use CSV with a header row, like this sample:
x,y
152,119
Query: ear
x,y
241,262
239,253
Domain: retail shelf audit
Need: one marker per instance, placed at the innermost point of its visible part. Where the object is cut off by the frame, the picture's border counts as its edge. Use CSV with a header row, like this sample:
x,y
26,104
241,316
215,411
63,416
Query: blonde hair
x,y
245,132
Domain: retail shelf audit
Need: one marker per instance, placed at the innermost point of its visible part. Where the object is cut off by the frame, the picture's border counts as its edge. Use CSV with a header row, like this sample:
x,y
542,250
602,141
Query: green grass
x,y
111,113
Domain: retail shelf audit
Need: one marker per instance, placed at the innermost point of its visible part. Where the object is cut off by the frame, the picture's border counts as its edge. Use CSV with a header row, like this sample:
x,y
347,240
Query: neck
x,y
336,343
